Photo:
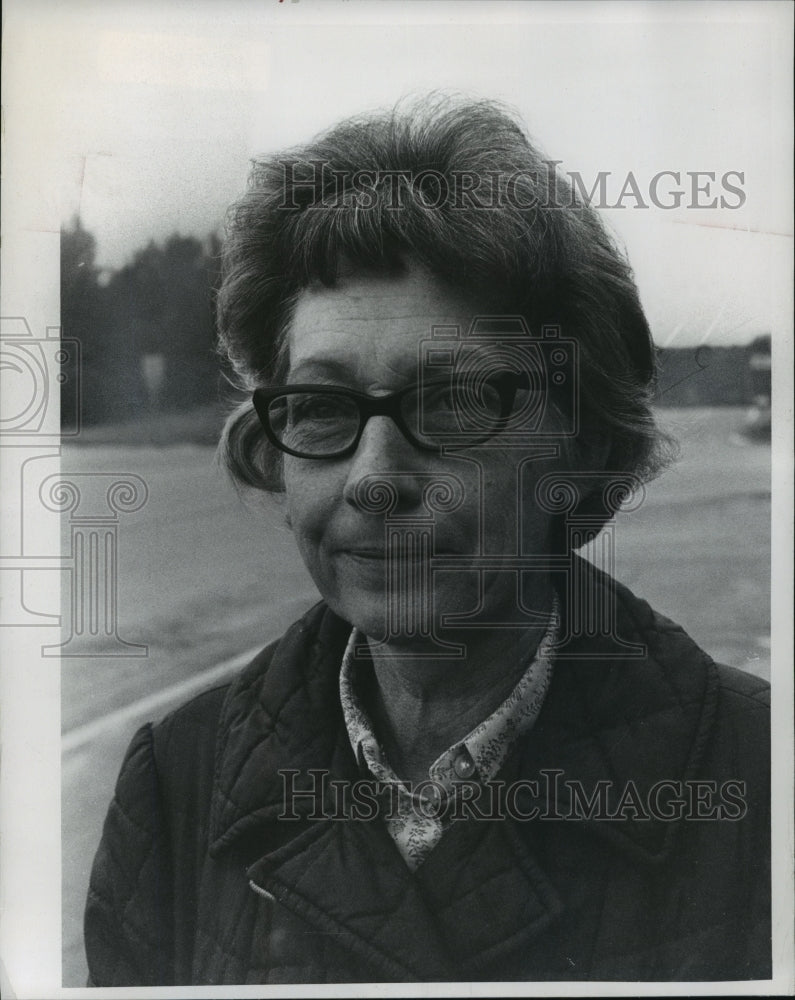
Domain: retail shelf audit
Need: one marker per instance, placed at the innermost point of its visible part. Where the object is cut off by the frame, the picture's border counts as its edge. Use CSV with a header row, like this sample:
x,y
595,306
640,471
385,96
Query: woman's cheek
x,y
310,504
302,504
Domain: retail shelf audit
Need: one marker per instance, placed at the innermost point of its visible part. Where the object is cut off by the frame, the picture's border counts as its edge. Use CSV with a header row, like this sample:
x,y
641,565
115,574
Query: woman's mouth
x,y
397,553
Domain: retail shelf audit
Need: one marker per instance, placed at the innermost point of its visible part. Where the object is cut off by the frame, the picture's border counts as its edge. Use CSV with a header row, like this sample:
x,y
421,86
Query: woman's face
x,y
365,334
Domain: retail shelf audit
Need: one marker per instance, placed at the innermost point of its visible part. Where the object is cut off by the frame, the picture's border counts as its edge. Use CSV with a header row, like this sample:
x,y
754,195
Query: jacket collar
x,y
282,714
639,724
633,722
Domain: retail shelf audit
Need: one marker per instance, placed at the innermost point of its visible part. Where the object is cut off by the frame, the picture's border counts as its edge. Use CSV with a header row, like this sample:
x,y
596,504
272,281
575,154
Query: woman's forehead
x,y
372,323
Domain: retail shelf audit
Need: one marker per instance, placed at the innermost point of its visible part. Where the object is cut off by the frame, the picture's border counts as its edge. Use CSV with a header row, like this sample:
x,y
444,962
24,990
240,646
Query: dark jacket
x,y
197,880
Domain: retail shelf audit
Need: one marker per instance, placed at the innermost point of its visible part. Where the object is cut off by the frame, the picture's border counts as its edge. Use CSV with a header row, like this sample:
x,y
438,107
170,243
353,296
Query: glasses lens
x,y
314,423
454,410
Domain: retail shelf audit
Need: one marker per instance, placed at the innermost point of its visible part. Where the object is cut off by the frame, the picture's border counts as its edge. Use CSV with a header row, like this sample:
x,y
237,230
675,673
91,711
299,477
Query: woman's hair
x,y
456,186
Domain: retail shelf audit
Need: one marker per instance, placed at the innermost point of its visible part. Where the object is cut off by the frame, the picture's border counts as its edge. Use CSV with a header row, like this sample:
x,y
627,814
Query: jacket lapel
x,y
635,724
487,892
282,714
348,881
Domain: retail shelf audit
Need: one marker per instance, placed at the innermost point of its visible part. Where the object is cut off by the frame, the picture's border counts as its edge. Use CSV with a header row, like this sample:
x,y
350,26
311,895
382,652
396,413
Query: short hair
x,y
515,236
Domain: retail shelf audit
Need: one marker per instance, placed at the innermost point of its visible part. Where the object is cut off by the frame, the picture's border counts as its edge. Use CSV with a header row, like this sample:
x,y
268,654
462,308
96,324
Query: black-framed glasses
x,y
327,421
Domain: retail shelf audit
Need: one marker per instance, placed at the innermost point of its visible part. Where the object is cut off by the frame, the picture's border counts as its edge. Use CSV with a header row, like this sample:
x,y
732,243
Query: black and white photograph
x,y
396,456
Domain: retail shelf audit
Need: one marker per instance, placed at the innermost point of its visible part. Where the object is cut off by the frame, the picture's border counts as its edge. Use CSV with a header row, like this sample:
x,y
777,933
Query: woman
x,y
478,757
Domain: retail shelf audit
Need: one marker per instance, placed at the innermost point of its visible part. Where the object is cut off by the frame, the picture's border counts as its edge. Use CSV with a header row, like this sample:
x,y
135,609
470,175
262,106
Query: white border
x,y
29,784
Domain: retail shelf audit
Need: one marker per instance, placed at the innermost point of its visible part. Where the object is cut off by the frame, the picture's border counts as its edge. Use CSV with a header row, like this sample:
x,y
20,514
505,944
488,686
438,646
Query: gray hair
x,y
515,237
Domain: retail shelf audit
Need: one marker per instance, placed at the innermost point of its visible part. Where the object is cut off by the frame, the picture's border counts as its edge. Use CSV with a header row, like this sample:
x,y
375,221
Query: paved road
x,y
206,578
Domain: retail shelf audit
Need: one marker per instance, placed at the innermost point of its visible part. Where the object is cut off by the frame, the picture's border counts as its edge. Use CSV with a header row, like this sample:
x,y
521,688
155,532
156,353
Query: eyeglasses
x,y
319,421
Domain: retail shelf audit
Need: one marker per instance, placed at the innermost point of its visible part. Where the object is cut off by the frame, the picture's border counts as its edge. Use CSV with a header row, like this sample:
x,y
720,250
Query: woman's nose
x,y
384,451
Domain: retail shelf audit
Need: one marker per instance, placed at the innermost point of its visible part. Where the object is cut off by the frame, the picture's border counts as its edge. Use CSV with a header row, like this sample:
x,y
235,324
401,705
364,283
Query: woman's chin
x,y
401,619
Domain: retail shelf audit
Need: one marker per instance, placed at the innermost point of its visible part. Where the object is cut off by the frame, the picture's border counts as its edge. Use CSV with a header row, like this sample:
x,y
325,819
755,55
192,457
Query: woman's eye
x,y
314,408
439,399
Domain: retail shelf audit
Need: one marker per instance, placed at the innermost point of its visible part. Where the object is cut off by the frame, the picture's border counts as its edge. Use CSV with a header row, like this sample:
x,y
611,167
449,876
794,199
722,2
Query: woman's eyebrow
x,y
320,367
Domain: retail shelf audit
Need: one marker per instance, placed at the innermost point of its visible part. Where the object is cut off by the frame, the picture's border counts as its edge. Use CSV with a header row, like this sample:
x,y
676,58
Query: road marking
x,y
122,717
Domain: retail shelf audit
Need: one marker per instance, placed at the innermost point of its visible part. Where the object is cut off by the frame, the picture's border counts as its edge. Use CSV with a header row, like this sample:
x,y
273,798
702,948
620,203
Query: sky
x,y
143,119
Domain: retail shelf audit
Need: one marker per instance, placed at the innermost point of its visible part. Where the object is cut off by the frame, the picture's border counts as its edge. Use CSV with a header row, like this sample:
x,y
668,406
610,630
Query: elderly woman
x,y
479,757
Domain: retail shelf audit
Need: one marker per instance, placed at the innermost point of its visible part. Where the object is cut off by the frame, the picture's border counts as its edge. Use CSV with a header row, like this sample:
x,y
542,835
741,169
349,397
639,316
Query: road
x,y
206,578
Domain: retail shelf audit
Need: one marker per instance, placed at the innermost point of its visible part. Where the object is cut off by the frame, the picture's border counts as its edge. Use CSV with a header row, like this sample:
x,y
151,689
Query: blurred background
x,y
139,125
149,371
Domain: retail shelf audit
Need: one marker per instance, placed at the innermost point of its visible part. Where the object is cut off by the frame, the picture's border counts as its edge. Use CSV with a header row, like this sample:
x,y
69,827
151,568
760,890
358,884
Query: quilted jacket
x,y
197,880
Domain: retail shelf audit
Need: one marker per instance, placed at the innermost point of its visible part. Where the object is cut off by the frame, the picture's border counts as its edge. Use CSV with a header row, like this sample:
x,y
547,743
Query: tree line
x,y
147,337
146,331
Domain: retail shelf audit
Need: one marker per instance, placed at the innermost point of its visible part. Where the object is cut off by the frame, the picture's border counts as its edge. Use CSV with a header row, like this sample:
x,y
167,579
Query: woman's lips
x,y
366,562
382,554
